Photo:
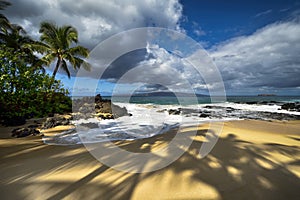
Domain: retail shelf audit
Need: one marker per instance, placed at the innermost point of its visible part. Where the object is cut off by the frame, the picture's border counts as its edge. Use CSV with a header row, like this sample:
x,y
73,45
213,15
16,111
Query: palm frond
x,y
48,59
65,68
79,51
4,4
49,34
58,42
68,35
17,29
87,66
4,23
80,62
39,47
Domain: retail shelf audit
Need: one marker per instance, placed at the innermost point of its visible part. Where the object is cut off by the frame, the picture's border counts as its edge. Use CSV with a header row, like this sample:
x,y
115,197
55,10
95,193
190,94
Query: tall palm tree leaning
x,y
4,23
57,43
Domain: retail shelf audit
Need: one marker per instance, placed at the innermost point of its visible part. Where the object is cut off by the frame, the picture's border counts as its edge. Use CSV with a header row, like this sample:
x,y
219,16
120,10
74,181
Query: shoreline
x,y
251,160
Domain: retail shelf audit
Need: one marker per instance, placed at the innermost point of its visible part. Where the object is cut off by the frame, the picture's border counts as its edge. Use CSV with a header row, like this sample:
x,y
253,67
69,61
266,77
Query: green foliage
x,y
26,91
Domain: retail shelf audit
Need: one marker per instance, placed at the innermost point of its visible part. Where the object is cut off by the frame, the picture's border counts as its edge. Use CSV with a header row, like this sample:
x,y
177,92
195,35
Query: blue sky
x,y
218,21
254,44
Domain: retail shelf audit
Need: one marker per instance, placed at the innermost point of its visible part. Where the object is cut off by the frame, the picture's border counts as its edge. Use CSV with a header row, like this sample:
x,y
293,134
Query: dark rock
x,y
98,98
24,132
229,109
88,107
291,106
57,120
204,115
118,111
105,115
174,112
90,125
105,107
33,126
252,102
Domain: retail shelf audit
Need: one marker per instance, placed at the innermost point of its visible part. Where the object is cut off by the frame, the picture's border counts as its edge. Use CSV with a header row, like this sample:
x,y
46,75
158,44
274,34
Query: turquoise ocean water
x,y
203,100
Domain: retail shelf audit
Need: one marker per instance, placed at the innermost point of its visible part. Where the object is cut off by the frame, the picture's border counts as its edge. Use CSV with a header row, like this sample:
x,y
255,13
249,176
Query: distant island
x,y
161,94
266,95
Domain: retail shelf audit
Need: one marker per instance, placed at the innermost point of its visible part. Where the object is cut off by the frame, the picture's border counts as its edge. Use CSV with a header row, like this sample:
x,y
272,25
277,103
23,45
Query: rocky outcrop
x,y
56,120
90,125
219,112
291,106
97,106
174,111
24,132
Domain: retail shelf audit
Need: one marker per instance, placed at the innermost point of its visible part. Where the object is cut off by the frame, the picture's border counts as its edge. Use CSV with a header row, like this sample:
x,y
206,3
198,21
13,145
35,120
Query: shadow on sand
x,y
236,169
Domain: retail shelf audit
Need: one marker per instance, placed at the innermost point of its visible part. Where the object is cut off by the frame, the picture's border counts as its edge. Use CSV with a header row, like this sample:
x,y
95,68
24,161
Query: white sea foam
x,y
148,120
273,108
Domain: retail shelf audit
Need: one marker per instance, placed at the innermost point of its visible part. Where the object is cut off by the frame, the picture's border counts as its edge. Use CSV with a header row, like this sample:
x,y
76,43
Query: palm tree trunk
x,y
54,72
56,67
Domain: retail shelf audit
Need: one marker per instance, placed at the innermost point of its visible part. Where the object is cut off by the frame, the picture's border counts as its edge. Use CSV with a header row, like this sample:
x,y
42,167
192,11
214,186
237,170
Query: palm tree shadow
x,y
72,187
240,166
237,169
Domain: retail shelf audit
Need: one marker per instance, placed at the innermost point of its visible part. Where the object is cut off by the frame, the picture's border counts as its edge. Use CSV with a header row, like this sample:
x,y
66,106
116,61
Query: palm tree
x,y
4,23
15,38
4,4
56,46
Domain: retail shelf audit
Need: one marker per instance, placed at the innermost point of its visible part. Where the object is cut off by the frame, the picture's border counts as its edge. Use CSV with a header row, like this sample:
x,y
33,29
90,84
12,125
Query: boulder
x,y
24,132
204,115
291,106
88,107
174,111
105,115
98,98
57,120
90,125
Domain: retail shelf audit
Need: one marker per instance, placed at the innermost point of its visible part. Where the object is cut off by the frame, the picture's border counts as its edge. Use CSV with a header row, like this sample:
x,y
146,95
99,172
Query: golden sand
x,y
251,160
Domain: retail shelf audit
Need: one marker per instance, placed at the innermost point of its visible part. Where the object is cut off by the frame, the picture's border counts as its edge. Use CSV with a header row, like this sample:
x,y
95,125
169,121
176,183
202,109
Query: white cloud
x,y
263,13
268,58
197,29
96,19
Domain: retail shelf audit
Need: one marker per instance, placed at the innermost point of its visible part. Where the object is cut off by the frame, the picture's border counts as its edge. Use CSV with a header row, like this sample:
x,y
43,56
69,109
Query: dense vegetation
x,y
26,90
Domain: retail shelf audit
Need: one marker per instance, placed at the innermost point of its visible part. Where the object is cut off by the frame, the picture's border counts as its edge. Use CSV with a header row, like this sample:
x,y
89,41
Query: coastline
x,y
251,160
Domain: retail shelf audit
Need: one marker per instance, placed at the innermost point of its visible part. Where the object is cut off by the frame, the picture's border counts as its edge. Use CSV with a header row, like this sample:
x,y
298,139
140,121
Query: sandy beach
x,y
251,160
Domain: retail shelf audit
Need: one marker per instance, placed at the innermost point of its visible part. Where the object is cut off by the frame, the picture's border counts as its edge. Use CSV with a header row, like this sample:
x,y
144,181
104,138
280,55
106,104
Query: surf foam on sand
x,y
148,120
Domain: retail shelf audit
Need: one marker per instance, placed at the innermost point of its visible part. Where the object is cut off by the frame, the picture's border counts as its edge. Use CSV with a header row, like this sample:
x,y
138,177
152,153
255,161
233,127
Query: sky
x,y
255,45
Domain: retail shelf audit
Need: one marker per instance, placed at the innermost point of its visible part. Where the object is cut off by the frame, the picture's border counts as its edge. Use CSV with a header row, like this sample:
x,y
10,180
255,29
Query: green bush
x,y
26,91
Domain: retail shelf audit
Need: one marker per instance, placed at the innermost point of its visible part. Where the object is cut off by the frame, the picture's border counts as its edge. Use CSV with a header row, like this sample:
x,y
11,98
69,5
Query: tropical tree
x,y
15,37
27,92
60,44
4,4
4,22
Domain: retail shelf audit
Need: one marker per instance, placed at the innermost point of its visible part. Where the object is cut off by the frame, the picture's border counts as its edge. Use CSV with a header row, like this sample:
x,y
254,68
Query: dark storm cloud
x,y
25,8
123,64
269,58
95,20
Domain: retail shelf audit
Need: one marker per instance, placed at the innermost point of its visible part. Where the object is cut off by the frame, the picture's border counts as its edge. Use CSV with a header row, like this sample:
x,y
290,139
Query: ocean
x,y
204,99
152,116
